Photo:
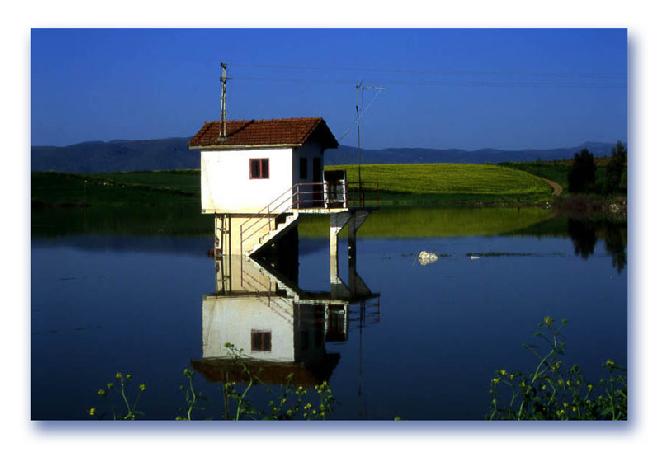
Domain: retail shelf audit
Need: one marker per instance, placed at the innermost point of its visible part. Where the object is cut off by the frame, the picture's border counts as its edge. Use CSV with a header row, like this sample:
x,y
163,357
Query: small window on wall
x,y
259,168
303,168
261,340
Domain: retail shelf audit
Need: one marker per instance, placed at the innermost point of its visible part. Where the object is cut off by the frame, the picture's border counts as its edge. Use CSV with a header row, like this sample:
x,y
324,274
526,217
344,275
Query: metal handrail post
x,y
326,194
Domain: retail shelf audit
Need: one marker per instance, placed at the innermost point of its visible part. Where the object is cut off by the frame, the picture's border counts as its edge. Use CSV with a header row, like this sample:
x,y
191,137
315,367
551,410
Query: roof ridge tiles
x,y
292,131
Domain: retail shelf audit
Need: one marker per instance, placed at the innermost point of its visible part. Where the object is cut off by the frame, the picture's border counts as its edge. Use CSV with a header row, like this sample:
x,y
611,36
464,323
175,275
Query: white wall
x,y
309,151
226,184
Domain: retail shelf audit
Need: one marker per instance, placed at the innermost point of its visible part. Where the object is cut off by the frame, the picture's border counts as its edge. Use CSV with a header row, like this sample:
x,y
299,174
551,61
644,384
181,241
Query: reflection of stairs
x,y
280,305
282,224
287,288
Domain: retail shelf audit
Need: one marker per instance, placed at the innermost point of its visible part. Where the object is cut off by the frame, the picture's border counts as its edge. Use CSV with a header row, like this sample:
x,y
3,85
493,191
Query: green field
x,y
130,203
169,201
116,189
451,183
394,182
556,170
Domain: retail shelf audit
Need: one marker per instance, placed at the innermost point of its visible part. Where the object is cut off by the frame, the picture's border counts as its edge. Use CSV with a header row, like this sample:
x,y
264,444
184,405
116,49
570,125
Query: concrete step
x,y
273,234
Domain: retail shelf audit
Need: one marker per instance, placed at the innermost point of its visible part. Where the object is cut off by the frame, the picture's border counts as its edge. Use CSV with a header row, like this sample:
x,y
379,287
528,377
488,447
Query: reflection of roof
x,y
286,132
222,369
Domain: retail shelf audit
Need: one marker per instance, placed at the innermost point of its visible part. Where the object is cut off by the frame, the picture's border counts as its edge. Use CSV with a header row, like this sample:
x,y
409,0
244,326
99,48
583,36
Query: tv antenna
x,y
360,110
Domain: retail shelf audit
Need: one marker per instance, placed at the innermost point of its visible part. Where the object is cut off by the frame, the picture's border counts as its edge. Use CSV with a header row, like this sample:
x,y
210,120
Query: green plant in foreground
x,y
117,394
190,395
236,403
554,391
296,402
290,403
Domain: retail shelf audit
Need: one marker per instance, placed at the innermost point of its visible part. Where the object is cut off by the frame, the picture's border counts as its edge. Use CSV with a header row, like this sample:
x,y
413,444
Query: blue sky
x,y
443,88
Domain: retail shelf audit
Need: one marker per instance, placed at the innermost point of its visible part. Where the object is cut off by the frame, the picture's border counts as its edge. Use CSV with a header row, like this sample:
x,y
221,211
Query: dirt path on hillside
x,y
556,187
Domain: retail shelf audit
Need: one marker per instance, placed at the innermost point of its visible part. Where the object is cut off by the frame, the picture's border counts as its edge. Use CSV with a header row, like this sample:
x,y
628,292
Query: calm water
x,y
424,346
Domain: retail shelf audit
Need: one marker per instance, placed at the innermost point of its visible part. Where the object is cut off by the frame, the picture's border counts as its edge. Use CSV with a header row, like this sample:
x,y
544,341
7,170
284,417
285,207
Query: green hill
x,y
447,183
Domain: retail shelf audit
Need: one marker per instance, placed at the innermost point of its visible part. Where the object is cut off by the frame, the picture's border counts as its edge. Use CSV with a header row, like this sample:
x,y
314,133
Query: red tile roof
x,y
285,132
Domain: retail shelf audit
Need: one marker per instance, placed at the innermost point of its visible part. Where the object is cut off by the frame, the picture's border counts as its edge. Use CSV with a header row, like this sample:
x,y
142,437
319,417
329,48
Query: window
x,y
261,340
303,168
259,168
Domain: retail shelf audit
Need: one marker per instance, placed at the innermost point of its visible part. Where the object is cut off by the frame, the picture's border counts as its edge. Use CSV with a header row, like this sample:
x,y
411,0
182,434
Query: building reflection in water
x,y
282,330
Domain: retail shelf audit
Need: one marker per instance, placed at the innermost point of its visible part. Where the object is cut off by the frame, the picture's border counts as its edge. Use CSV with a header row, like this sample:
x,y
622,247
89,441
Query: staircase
x,y
265,231
277,217
282,225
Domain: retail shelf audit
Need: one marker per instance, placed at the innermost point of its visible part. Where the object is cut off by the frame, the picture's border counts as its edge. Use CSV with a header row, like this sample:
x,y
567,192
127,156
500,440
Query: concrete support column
x,y
352,247
337,223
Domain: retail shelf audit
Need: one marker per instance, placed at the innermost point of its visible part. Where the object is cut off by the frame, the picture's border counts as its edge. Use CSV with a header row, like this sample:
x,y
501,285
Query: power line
x,y
556,74
448,83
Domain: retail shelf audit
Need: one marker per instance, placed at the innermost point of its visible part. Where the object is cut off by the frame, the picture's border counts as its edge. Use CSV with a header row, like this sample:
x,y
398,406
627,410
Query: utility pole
x,y
360,110
358,91
223,101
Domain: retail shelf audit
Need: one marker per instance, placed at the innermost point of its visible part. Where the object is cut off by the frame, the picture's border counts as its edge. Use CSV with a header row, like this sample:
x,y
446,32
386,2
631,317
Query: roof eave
x,y
241,147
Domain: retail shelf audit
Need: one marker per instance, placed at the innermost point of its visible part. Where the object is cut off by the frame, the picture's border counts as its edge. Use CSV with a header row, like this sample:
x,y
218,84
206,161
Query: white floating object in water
x,y
474,256
426,257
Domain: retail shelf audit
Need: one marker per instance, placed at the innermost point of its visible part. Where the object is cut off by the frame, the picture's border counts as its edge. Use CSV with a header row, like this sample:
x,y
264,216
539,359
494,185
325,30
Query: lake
x,y
396,339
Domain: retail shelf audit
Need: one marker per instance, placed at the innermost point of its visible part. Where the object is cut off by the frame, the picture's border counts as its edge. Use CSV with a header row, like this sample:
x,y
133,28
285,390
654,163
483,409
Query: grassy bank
x,y
400,184
595,204
117,190
557,170
168,202
552,170
448,184
121,203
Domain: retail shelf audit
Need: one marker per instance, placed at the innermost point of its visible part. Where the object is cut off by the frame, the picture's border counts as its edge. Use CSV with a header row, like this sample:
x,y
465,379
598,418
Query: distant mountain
x,y
113,156
173,153
349,155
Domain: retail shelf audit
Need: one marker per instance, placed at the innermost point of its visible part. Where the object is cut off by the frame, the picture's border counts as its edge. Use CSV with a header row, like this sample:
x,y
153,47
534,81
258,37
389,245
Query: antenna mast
x,y
358,91
223,101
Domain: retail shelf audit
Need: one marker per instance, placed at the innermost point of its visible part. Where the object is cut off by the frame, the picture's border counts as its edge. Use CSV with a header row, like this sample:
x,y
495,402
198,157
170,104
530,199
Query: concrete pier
x,y
354,220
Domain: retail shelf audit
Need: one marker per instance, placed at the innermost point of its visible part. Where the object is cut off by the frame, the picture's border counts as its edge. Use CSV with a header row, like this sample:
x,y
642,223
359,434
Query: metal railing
x,y
365,194
304,195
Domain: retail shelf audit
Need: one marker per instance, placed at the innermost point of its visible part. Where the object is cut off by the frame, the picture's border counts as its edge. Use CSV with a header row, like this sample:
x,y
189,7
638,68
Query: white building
x,y
259,176
259,160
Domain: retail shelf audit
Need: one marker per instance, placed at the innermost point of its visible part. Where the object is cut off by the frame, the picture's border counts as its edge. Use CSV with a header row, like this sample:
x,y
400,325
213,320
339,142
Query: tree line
x,y
582,175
